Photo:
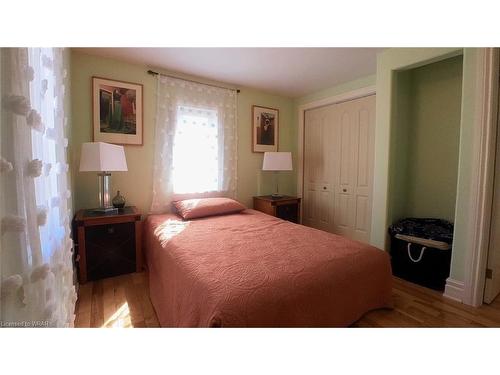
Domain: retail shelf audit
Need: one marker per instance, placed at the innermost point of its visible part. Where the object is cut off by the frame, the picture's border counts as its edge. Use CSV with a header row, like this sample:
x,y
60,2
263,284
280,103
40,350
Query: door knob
x,y
344,190
324,187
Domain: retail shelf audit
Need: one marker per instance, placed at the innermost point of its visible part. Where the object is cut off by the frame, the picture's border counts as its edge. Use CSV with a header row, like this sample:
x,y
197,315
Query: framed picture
x,y
117,111
265,126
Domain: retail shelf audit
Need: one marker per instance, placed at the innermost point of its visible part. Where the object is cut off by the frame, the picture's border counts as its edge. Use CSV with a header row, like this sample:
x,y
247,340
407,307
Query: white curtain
x,y
37,287
195,142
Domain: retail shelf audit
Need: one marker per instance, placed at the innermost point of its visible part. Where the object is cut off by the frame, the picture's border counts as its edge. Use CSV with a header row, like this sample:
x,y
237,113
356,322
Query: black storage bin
x,y
421,251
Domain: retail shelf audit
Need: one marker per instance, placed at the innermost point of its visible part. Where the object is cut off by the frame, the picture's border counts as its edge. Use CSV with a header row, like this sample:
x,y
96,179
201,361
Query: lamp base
x,y
105,206
276,196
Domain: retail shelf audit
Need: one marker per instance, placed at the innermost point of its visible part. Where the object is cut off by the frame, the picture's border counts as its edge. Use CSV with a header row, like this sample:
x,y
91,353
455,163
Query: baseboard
x,y
454,290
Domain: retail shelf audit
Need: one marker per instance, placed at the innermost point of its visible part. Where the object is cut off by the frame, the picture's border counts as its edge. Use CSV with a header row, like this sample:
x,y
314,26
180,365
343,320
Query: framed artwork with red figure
x,y
117,111
265,123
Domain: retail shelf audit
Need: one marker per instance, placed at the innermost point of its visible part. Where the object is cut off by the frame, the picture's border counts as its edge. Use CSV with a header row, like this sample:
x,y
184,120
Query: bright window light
x,y
45,148
196,151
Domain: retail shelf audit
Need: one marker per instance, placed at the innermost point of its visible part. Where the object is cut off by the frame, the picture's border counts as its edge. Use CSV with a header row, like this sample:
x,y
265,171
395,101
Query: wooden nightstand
x,y
108,244
286,208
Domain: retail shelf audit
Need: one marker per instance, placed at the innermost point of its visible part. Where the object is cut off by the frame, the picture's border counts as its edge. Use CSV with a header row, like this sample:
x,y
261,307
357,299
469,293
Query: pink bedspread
x,y
253,270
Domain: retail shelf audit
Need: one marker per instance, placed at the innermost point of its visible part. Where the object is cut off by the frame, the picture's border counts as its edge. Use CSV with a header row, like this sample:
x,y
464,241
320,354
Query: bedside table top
x,y
125,212
269,198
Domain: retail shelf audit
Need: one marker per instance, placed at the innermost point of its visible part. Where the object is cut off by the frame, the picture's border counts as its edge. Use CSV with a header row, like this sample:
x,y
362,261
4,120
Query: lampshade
x,y
277,161
102,157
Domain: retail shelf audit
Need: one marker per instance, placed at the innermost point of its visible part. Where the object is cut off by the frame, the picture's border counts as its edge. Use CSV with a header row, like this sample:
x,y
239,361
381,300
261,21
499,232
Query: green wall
x,y
336,90
425,143
400,144
436,92
136,184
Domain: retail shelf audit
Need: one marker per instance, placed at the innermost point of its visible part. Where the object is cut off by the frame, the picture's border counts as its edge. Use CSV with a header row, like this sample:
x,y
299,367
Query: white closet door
x,y
344,186
364,135
338,160
318,196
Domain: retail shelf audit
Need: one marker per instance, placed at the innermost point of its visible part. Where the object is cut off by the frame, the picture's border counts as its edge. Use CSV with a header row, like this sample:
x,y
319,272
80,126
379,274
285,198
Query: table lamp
x,y
103,158
277,161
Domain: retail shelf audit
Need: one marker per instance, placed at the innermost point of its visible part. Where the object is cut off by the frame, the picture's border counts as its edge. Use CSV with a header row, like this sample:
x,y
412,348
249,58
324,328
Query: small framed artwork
x,y
265,126
117,111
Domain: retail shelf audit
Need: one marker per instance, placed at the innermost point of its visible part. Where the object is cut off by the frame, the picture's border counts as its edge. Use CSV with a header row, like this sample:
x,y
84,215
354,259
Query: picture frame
x,y
117,111
265,129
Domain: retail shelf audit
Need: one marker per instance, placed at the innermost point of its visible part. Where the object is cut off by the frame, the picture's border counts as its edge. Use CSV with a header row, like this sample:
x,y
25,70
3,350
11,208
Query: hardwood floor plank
x,y
97,310
484,315
108,296
119,292
123,301
83,306
134,302
82,320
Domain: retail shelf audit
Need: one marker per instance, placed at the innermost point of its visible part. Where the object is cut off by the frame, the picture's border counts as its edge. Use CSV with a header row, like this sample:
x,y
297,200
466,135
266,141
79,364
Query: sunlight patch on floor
x,y
120,319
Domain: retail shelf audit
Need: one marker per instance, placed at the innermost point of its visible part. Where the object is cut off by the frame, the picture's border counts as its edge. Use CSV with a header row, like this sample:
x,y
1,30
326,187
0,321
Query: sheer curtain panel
x,y
195,142
37,287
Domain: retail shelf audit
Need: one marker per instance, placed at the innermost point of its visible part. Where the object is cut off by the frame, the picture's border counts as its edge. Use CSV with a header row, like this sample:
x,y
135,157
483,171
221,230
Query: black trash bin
x,y
421,251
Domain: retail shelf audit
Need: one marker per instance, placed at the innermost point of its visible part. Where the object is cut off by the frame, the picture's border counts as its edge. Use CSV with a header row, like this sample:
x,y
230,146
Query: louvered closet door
x,y
318,169
345,146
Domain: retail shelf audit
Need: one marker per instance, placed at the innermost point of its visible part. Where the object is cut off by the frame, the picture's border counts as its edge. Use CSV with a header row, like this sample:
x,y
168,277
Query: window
x,y
44,147
35,178
196,151
196,142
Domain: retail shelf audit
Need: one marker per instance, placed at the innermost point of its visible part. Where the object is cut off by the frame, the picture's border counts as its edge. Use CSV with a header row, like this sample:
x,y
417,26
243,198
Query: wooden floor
x,y
123,301
416,306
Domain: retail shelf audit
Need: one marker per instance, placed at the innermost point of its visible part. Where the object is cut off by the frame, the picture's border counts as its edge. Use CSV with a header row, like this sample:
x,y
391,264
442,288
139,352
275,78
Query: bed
x,y
249,269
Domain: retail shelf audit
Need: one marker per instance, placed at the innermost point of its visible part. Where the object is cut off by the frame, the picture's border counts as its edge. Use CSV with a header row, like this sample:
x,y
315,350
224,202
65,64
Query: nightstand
x,y
286,207
108,244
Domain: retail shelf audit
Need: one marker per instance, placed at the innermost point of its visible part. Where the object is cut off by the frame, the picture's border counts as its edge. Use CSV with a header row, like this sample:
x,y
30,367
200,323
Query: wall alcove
x,y
425,140
425,145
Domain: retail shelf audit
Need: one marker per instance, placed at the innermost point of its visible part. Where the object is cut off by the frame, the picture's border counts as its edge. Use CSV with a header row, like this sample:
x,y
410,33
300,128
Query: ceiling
x,y
292,72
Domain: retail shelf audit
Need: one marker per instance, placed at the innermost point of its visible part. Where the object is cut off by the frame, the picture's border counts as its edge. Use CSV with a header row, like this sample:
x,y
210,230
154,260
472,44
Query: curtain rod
x,y
190,80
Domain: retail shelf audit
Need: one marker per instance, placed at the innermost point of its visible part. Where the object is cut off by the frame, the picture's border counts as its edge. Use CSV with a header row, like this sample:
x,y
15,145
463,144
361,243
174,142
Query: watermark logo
x,y
24,324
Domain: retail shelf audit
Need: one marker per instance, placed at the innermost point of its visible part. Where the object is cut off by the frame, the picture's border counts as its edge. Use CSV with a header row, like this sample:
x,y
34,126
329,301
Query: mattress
x,y
253,270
